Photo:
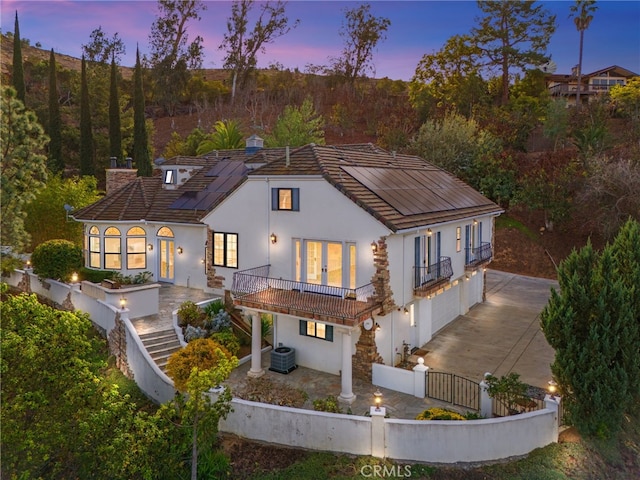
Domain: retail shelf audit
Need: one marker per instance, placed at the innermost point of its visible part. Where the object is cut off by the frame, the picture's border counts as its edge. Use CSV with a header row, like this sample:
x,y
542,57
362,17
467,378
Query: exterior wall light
x,y
374,247
406,311
553,387
150,247
180,250
429,232
377,399
123,303
475,222
273,238
378,327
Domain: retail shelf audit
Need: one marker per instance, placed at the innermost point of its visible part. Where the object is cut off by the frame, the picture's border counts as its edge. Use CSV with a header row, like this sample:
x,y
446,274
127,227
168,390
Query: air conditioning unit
x,y
283,360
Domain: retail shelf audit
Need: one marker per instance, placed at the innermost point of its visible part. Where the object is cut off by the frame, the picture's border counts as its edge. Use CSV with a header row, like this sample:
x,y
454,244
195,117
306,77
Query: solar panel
x,y
419,191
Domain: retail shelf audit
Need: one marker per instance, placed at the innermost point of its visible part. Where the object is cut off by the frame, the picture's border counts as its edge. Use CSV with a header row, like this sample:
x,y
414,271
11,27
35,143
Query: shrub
x,y
220,322
95,276
9,263
202,353
509,391
193,333
190,314
213,308
57,259
439,414
329,404
228,340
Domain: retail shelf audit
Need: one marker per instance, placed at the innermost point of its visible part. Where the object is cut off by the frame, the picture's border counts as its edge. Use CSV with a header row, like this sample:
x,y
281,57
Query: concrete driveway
x,y
499,336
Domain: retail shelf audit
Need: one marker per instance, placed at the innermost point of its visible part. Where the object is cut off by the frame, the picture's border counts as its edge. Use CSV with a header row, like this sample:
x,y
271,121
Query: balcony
x,y
565,89
343,306
427,280
478,256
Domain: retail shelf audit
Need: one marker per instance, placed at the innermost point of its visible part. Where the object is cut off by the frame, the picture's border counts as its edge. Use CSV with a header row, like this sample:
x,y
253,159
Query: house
x,y
355,252
591,84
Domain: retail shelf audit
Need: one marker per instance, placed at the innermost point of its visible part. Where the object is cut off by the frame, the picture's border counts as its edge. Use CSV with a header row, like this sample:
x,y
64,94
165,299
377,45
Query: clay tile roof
x,y
401,191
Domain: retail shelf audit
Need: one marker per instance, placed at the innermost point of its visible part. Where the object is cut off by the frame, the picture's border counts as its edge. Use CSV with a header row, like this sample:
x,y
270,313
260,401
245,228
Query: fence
x,y
453,389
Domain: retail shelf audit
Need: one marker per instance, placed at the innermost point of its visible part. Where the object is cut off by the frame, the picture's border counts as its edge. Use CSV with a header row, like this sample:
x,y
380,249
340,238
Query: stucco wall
x,y
299,428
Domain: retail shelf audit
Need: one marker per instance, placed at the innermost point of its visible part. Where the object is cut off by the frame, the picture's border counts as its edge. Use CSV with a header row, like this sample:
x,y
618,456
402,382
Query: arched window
x,y
92,247
136,248
112,249
165,232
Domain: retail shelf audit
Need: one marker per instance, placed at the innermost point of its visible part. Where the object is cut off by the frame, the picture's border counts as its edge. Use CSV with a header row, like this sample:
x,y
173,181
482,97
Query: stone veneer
x,y
366,354
118,346
213,280
366,348
119,177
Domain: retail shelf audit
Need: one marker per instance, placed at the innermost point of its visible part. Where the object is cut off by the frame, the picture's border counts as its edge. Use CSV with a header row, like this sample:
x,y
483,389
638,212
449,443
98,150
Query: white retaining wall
x,y
412,440
299,428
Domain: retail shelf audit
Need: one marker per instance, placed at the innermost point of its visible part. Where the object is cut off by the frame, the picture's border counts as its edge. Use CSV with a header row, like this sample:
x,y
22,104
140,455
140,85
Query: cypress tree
x,y
140,139
18,67
86,136
594,331
115,134
55,161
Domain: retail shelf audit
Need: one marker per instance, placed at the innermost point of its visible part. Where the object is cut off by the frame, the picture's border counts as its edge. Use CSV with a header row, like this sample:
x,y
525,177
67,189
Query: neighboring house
x,y
592,84
354,251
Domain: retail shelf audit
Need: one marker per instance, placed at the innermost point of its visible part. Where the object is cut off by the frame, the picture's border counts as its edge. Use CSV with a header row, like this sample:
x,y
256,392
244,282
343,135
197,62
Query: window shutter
x,y
467,240
303,328
295,199
329,334
274,199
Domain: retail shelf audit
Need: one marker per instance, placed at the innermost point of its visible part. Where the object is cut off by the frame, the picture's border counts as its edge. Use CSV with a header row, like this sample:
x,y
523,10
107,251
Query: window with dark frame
x,y
316,330
225,249
285,199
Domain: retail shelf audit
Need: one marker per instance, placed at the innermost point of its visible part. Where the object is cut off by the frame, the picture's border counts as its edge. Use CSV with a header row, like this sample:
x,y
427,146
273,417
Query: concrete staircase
x,y
161,345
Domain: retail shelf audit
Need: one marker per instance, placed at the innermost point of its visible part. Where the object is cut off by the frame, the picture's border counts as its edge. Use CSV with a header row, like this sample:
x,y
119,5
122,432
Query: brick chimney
x,y
119,176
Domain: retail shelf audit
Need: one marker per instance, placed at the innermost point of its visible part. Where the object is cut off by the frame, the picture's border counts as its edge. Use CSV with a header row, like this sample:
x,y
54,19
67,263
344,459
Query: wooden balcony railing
x,y
254,288
564,89
478,256
427,279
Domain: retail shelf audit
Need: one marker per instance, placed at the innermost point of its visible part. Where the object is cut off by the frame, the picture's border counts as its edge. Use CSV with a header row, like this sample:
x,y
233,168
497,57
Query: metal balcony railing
x,y
424,277
254,288
478,255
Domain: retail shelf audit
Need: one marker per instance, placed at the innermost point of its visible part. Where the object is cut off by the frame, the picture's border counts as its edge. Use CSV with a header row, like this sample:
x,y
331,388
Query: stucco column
x,y
256,346
346,395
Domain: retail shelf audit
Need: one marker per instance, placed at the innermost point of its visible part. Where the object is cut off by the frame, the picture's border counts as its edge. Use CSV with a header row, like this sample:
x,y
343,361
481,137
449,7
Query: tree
x,y
55,161
171,54
18,67
241,46
101,48
449,79
626,99
22,165
226,136
115,133
297,126
87,166
46,217
454,143
361,34
556,122
592,324
200,366
581,12
512,35
140,138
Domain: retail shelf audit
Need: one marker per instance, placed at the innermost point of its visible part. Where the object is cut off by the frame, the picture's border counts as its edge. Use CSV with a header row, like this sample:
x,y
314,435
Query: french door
x,y
323,263
167,260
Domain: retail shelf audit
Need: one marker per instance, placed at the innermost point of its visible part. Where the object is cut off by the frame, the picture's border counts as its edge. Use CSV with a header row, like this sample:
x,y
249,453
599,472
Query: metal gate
x,y
453,389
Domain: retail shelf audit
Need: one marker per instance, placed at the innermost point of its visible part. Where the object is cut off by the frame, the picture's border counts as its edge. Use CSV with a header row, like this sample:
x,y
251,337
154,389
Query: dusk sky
x,y
417,28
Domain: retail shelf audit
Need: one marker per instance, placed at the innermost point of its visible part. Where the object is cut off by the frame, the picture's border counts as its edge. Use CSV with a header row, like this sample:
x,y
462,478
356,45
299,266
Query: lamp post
x,y
377,399
553,387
